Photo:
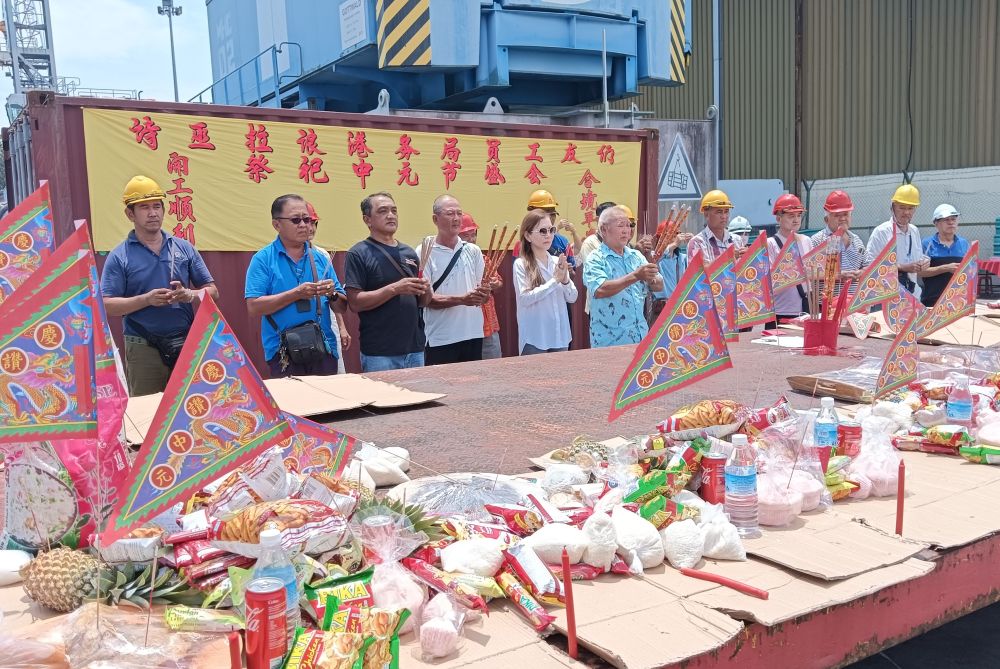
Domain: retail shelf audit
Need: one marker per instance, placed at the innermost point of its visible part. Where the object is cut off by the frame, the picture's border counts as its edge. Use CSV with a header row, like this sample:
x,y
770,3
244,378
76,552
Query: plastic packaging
x,y
601,541
788,446
11,562
876,470
825,427
482,557
638,541
441,628
549,541
384,468
741,487
778,504
274,563
683,543
959,405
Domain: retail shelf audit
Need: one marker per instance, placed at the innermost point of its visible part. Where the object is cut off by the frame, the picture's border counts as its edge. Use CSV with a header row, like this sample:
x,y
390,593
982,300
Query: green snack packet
x,y
657,482
661,512
353,589
984,455
312,649
382,627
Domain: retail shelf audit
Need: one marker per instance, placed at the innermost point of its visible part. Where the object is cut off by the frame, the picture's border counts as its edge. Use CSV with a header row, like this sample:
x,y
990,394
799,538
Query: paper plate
x,y
712,431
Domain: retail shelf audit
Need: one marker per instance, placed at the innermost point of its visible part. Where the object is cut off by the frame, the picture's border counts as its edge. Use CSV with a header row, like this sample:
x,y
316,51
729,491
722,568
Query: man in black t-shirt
x,y
382,286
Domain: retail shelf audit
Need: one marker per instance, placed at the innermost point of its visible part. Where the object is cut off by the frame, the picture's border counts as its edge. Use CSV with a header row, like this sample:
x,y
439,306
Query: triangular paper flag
x,y
754,297
46,360
788,269
815,260
722,278
55,265
26,239
877,283
683,345
215,415
958,298
316,448
861,324
900,365
900,309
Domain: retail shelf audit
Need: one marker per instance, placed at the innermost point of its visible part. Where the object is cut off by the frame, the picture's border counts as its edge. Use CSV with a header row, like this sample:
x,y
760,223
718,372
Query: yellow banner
x,y
221,174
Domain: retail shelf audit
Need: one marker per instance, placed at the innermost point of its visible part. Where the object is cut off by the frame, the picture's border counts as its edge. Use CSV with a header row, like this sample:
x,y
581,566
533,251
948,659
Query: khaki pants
x,y
144,371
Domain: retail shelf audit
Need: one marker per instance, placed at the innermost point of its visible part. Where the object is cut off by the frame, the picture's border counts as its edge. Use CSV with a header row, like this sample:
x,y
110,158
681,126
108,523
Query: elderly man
x,y
148,279
291,287
853,255
618,278
454,317
945,249
910,258
715,238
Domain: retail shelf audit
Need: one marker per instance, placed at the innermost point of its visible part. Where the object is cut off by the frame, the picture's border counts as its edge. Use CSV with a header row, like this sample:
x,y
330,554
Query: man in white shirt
x,y
853,255
453,321
909,251
715,238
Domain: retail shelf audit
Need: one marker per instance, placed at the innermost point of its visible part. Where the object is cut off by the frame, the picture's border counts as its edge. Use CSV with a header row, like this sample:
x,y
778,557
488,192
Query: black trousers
x,y
460,351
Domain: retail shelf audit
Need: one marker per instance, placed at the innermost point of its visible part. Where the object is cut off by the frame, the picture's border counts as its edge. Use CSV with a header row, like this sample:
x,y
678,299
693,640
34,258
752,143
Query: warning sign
x,y
677,181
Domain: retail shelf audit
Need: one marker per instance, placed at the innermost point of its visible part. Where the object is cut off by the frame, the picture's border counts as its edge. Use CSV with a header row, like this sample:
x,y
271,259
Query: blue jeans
x,y
384,363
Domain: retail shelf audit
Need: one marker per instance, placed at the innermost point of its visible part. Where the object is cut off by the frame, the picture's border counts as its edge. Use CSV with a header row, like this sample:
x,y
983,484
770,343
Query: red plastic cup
x,y
820,336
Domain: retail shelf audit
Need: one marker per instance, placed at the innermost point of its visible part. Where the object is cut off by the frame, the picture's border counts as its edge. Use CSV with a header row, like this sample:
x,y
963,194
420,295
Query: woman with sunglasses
x,y
543,289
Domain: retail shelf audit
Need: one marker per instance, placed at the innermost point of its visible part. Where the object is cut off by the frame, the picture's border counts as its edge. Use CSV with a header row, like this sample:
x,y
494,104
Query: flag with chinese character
x,y
900,308
900,365
316,448
26,239
683,345
788,270
877,283
215,415
754,297
958,298
815,261
722,278
72,251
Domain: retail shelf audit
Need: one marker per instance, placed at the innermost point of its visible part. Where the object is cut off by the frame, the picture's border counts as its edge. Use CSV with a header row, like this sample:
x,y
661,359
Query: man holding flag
x,y
789,302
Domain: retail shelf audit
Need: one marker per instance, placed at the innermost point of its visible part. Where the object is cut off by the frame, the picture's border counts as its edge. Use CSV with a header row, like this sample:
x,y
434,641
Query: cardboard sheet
x,y
967,331
830,546
355,387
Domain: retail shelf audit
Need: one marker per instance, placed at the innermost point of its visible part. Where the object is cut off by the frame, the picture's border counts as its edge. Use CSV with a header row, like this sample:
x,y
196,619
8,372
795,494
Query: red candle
x,y
900,487
570,611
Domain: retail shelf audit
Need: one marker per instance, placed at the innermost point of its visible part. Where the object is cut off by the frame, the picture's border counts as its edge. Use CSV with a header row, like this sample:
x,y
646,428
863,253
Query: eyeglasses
x,y
546,231
298,220
631,224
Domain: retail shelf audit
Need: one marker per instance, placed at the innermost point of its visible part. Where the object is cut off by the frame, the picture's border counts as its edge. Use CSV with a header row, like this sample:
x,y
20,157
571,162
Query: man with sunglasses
x,y
292,287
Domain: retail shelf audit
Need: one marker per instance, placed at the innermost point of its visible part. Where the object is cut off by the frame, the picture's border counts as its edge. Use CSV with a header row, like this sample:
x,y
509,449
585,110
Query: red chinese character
x,y
407,175
312,171
185,231
570,156
183,208
588,180
589,218
257,168
534,175
450,171
257,139
534,153
145,132
405,151
200,138
357,145
308,144
362,170
177,164
451,150
179,188
493,175
607,153
493,150
588,200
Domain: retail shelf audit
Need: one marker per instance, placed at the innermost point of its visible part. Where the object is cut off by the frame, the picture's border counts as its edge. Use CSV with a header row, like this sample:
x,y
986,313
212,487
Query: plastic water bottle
x,y
741,487
274,563
825,428
959,405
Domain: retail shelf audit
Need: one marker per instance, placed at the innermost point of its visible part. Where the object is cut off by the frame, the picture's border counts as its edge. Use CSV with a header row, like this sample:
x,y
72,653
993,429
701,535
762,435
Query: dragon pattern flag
x,y
316,448
877,283
900,365
215,415
26,239
722,279
789,270
683,345
815,261
958,298
754,297
900,309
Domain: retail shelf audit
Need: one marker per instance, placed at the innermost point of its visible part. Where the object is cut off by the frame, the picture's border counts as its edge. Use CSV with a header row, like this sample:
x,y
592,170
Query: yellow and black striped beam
x,y
404,32
678,59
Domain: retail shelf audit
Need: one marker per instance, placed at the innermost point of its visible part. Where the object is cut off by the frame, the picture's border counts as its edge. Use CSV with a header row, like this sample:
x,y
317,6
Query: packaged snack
x,y
214,566
518,519
180,618
353,589
532,572
193,552
431,551
442,581
304,524
330,491
577,572
524,602
312,649
661,512
942,438
841,490
383,628
657,482
341,617
462,529
262,480
761,419
705,413
985,455
638,541
349,556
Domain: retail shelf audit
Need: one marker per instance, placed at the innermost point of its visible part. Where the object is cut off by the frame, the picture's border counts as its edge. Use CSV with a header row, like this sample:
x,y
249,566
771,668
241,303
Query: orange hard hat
x,y
468,224
838,201
542,199
312,212
788,203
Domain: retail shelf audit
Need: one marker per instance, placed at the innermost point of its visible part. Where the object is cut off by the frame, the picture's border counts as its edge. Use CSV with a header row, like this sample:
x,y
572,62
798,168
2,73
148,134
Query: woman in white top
x,y
543,288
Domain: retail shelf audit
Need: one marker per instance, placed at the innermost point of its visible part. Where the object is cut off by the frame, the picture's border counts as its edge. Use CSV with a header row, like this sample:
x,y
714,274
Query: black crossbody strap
x,y
312,263
451,266
399,268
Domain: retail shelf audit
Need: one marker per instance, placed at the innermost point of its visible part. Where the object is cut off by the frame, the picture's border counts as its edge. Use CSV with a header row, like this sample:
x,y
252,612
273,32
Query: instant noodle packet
x,y
446,582
656,482
353,589
661,512
518,519
180,618
984,455
313,649
524,602
529,569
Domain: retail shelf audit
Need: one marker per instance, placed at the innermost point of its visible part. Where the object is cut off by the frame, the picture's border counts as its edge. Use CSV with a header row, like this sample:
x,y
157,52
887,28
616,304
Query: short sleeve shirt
x,y
459,323
132,269
396,327
618,319
272,271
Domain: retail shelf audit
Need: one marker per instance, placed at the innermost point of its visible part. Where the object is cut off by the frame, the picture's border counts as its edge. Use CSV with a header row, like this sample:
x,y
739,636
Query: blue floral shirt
x,y
618,319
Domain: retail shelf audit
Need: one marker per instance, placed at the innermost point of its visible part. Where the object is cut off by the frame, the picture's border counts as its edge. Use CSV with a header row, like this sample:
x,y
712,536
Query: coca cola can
x,y
713,478
267,638
849,438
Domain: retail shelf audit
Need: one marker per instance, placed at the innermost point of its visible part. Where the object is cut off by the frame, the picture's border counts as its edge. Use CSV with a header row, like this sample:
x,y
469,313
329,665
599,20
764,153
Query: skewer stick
x,y
900,490
570,607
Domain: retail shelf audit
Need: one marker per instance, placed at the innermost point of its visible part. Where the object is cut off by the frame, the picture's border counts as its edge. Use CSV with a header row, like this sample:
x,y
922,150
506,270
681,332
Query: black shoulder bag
x,y
302,344
451,266
168,346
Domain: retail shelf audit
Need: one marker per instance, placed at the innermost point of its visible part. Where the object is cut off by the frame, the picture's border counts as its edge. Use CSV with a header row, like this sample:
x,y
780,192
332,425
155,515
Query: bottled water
x,y
959,405
825,429
274,563
741,487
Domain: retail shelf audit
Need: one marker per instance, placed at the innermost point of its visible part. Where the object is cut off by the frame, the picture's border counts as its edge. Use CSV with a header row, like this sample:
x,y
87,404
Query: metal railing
x,y
262,95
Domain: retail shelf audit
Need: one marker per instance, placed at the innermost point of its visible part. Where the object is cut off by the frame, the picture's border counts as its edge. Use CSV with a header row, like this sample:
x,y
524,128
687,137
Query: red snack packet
x,y
182,537
431,551
619,566
577,572
761,419
524,602
529,569
444,582
219,564
195,552
206,584
579,516
461,529
518,519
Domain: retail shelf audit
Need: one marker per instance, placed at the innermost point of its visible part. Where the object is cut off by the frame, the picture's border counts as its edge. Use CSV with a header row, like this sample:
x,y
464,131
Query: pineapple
x,y
62,579
429,525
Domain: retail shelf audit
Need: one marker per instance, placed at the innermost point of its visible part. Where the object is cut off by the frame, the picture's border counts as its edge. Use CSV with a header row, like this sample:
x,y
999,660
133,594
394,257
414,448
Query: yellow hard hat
x,y
716,198
907,194
142,189
628,211
542,199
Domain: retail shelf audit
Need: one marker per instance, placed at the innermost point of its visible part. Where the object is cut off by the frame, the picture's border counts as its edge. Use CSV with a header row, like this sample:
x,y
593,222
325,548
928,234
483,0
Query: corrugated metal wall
x,y
855,67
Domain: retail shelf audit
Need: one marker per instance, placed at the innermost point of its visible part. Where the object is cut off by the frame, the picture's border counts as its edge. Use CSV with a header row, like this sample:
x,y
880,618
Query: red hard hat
x,y
838,201
468,225
312,211
788,203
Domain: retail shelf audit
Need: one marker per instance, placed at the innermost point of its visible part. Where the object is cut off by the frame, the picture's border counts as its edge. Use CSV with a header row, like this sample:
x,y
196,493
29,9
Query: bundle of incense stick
x,y
495,256
815,276
830,274
664,224
425,255
670,231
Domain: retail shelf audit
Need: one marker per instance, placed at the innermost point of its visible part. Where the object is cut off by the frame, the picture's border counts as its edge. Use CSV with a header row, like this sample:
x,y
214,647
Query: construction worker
x,y
853,255
788,210
739,227
945,249
715,238
150,279
910,259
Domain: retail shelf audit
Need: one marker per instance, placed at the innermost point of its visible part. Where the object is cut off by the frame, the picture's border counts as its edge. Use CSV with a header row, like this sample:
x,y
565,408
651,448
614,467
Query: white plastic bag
x,y
638,541
11,562
562,477
601,541
549,542
722,540
384,468
683,543
877,466
481,557
777,504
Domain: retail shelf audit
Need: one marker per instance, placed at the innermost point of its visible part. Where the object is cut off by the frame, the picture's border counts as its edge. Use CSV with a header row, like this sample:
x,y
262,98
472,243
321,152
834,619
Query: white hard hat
x,y
739,224
944,211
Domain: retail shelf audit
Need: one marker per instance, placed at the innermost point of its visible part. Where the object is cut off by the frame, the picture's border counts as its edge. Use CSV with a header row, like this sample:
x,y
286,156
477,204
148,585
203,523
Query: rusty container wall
x,y
58,154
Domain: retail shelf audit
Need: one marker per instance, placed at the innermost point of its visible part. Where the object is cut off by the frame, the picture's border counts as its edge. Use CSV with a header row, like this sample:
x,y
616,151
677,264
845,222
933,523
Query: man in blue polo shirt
x,y
946,249
291,286
148,279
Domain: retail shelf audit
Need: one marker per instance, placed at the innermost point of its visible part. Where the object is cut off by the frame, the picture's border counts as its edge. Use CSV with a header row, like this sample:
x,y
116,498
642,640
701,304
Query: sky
x,y
126,44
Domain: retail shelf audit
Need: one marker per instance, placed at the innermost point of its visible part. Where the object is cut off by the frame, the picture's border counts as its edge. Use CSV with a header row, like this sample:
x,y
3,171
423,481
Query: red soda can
x,y
849,438
713,478
267,639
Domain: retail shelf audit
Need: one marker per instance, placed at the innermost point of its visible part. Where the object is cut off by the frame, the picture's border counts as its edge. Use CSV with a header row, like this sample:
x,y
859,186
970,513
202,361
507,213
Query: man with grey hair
x,y
454,316
618,278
